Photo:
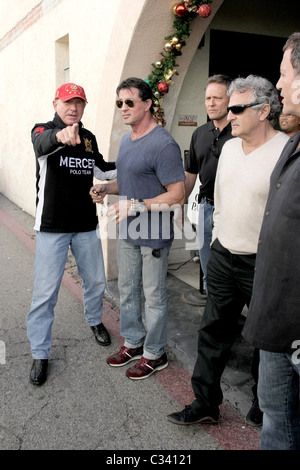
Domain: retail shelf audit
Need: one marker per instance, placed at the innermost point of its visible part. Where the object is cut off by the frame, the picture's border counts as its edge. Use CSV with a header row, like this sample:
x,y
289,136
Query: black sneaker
x,y
255,415
205,415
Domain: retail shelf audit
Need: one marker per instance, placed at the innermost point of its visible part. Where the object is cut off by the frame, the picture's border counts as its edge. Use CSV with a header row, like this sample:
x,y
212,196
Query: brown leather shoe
x,y
124,355
146,367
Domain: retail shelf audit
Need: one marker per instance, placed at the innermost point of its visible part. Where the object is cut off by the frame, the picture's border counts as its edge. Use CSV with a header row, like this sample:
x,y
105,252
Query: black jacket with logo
x,y
64,176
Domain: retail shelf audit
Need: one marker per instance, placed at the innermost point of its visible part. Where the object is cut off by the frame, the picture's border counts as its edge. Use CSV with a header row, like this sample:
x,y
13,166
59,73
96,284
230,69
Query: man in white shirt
x,y
241,190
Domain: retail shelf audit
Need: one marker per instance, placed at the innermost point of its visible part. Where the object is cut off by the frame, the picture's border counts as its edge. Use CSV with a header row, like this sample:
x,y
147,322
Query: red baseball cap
x,y
68,91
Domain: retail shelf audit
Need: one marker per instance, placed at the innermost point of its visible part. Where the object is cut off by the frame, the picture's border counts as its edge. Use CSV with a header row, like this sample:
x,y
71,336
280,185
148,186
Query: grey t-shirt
x,y
145,166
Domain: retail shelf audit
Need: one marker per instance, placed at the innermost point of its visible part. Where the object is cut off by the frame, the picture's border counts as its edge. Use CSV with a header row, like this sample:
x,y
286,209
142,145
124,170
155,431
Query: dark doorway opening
x,y
241,54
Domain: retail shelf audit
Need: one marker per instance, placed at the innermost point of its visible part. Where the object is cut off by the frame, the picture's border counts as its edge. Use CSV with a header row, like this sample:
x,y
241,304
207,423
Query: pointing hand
x,y
69,135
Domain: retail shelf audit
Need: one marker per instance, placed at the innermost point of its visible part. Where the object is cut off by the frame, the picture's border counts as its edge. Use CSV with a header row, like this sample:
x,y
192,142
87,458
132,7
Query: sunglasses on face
x,y
240,108
129,103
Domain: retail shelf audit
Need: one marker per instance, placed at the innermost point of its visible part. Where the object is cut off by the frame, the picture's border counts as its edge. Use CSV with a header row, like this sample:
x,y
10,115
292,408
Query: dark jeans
x,y
230,282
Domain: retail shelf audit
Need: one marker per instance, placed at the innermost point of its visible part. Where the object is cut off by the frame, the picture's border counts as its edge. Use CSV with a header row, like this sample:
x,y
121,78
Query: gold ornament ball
x,y
174,8
158,64
175,40
178,47
168,47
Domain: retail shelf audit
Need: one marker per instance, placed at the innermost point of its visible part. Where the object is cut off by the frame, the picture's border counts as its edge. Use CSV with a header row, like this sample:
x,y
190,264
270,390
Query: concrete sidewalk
x,y
84,403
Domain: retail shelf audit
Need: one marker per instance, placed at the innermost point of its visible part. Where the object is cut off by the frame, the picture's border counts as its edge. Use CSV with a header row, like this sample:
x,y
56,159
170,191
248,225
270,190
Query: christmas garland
x,y
164,69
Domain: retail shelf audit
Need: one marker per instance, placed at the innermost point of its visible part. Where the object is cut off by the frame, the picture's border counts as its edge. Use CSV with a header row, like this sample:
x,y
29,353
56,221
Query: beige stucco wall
x,y
11,12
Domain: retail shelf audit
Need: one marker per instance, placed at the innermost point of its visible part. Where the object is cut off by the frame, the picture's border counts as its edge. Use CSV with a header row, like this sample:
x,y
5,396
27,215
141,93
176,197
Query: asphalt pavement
x,y
87,405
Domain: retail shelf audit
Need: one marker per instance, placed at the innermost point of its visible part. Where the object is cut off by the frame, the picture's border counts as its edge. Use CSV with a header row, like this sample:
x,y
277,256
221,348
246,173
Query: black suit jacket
x,y
273,320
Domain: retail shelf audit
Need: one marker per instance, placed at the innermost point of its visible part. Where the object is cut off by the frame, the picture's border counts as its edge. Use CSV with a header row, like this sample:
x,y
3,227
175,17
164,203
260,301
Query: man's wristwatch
x,y
138,207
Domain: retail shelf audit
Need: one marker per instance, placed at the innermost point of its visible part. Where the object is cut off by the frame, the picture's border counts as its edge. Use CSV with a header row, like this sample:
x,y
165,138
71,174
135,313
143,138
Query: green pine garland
x,y
164,69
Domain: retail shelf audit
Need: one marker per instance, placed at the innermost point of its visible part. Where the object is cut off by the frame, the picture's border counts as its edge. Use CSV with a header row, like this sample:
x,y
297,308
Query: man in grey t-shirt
x,y
150,184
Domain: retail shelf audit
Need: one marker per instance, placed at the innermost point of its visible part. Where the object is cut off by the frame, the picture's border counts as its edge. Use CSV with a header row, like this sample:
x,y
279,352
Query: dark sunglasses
x,y
240,108
129,103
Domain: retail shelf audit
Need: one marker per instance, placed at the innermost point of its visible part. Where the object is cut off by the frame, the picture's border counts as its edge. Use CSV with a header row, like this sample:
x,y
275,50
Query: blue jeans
x,y
139,268
204,233
50,259
278,394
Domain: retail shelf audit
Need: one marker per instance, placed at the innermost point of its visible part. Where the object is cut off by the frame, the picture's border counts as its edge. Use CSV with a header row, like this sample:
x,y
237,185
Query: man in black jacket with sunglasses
x,y
273,320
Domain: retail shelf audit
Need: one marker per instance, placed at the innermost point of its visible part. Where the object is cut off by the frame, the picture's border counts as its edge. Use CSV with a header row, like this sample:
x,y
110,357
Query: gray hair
x,y
221,79
293,43
264,92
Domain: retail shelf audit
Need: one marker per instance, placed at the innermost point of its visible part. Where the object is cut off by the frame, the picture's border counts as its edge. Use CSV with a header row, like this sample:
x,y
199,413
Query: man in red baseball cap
x,y
67,160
